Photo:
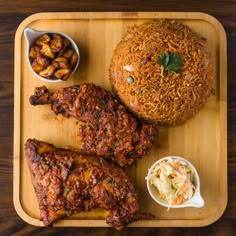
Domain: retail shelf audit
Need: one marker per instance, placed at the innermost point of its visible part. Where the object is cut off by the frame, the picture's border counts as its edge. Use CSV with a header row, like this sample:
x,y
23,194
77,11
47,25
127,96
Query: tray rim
x,y
122,15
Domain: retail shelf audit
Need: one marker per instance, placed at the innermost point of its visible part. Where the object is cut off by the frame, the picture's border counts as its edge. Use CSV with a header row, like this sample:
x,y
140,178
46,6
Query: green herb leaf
x,y
103,103
68,210
46,166
58,166
111,181
171,62
166,59
66,191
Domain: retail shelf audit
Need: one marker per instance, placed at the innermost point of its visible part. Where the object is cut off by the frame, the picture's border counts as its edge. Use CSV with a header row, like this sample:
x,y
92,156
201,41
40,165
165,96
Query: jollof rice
x,y
140,82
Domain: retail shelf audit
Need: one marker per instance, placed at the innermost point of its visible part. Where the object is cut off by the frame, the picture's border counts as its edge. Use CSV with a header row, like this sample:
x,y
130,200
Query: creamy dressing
x,y
174,181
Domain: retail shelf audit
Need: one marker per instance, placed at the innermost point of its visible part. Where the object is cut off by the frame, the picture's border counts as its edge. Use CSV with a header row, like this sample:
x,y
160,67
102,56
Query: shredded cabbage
x,y
174,181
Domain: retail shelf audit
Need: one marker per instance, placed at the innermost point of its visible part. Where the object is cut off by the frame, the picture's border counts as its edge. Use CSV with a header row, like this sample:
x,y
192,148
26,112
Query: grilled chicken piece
x,y
108,130
67,182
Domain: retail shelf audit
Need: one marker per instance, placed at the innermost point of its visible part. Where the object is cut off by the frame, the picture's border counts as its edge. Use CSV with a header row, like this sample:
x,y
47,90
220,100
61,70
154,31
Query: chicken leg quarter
x,y
67,182
108,129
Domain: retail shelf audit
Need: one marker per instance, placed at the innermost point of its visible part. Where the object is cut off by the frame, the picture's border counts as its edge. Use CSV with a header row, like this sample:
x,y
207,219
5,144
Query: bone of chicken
x,y
108,129
66,182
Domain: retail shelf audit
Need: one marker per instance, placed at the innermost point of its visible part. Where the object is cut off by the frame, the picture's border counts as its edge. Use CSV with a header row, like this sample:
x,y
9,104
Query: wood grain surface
x,y
12,13
189,140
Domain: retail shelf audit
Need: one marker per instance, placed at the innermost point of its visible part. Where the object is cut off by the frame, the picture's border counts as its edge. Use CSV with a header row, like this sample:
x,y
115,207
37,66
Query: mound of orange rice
x,y
143,85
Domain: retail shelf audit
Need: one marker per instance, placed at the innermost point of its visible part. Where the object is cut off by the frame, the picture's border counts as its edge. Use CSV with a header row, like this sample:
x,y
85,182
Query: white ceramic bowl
x,y
32,35
195,201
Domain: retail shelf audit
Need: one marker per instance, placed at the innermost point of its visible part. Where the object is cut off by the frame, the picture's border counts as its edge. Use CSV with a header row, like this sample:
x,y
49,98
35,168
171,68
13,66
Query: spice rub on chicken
x,y
108,130
67,182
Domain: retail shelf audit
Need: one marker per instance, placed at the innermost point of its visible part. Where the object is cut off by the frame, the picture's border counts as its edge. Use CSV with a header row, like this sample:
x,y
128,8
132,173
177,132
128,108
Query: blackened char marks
x,y
41,96
108,129
67,182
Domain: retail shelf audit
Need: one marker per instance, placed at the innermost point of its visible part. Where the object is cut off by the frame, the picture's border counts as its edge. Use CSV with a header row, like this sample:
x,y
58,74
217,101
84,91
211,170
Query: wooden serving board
x,y
202,139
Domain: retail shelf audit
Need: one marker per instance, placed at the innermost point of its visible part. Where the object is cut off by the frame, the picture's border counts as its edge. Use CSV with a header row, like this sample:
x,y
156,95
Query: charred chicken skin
x,y
67,182
108,130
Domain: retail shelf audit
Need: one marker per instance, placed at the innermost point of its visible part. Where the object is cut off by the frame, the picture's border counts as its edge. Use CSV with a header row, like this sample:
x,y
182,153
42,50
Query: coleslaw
x,y
174,180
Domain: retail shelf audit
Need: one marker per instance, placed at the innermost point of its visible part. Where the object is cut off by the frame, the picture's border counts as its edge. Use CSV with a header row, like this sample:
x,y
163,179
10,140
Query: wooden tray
x,y
202,140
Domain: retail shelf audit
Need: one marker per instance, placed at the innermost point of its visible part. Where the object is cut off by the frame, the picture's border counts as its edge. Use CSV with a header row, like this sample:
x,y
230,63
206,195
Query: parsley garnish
x,y
171,62
46,166
111,181
66,191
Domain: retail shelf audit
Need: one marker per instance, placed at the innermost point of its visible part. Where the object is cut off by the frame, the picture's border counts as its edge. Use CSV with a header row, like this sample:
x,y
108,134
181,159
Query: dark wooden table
x,y
11,15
